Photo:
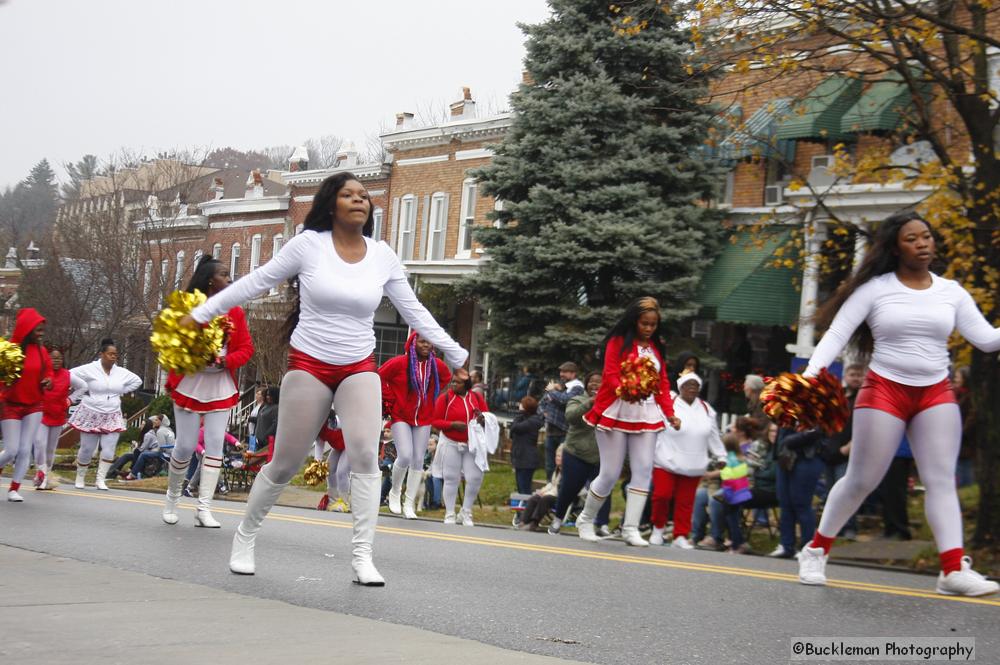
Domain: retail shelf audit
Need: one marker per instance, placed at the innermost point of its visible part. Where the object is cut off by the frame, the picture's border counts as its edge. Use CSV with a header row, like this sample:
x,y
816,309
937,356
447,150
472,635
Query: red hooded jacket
x,y
611,379
403,403
37,365
55,400
239,348
451,407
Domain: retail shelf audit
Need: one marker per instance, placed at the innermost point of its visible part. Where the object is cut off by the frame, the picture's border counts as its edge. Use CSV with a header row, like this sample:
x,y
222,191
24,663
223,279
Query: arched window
x,y
217,251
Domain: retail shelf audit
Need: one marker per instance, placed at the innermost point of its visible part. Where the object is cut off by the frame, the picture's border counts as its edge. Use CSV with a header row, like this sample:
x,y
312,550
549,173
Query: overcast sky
x,y
95,76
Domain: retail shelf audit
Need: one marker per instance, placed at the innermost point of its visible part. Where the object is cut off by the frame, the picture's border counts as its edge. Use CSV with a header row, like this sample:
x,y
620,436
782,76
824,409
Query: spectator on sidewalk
x,y
479,385
581,461
522,386
164,440
686,363
435,475
147,442
258,403
265,430
524,443
735,491
763,480
541,502
753,386
680,460
553,407
799,469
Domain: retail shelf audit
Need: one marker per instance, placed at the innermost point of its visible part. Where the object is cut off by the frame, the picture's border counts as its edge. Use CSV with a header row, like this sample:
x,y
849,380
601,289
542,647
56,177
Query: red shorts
x,y
900,400
15,411
330,375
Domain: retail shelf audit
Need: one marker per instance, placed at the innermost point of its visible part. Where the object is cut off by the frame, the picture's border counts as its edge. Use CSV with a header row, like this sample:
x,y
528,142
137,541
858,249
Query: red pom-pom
x,y
792,399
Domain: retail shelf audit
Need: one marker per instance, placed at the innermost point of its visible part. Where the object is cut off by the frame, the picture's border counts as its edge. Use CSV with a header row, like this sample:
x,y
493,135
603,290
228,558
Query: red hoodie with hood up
x,y
402,403
27,390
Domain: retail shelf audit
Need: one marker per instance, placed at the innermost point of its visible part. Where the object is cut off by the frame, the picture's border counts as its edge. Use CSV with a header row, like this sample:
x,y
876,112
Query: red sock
x,y
819,540
14,487
951,561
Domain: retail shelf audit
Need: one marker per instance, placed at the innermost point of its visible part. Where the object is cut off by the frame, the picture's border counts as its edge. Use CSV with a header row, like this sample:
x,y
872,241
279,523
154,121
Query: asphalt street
x,y
527,592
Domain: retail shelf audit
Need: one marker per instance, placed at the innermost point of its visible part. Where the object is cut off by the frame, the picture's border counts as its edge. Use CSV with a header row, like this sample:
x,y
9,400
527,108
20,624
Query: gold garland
x,y
11,361
182,349
316,472
792,399
639,379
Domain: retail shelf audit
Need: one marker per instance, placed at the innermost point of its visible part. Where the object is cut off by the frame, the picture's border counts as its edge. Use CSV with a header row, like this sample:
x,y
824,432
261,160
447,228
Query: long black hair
x,y
625,328
882,258
320,218
203,274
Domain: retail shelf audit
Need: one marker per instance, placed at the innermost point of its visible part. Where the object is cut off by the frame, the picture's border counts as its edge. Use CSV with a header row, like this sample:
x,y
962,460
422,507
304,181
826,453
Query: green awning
x,y
881,108
743,286
756,137
818,114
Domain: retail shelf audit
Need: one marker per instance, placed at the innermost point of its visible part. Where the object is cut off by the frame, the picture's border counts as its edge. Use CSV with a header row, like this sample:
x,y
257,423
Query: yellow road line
x,y
563,551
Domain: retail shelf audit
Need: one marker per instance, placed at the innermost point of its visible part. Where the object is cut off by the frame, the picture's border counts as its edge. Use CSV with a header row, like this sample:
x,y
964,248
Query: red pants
x,y
331,375
680,489
900,400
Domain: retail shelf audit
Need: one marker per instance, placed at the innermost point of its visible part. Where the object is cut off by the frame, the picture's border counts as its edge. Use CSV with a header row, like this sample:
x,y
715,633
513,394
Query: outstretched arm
x,y
852,314
974,327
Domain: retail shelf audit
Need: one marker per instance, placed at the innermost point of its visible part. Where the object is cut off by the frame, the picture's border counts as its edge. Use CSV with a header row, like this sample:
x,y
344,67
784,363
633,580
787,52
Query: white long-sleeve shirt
x,y
338,299
687,451
104,391
910,328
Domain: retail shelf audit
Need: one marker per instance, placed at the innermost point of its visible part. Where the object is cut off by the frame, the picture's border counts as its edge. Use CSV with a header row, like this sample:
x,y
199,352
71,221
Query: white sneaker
x,y
779,552
656,538
680,543
603,531
12,495
812,566
449,518
964,582
465,518
555,526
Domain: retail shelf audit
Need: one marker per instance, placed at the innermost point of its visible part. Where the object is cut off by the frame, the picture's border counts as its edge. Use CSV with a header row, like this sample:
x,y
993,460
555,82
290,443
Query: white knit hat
x,y
690,376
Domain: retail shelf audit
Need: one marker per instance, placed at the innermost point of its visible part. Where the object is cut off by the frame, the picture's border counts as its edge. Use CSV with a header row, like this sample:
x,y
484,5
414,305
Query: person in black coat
x,y
524,455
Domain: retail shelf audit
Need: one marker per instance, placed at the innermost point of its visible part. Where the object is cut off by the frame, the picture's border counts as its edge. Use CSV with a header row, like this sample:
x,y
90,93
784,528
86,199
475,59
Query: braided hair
x,y
432,375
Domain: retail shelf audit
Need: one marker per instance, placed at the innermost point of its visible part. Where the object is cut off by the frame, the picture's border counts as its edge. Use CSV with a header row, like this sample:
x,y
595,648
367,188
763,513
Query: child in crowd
x,y
735,489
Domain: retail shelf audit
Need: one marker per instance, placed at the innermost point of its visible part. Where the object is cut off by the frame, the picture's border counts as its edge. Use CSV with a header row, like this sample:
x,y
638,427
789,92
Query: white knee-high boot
x,y
175,478
211,468
102,473
365,494
81,474
413,479
263,494
585,521
398,473
635,502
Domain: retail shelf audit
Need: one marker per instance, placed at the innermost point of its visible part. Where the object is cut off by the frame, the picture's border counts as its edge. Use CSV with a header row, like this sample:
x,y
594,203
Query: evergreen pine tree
x,y
602,179
85,169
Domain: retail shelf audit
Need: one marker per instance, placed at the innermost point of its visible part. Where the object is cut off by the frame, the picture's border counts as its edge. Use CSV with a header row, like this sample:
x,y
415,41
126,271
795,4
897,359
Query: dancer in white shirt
x,y
342,275
902,314
99,416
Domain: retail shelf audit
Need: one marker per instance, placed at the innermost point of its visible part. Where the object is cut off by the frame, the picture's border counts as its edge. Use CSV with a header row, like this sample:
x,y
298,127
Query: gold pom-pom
x,y
639,379
316,472
11,361
792,399
182,349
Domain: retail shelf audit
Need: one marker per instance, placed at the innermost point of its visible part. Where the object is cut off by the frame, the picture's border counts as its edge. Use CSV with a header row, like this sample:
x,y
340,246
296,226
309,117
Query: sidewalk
x,y
59,611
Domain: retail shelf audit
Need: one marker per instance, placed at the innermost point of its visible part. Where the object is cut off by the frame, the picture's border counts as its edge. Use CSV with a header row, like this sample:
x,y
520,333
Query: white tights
x,y
338,477
18,437
188,423
458,461
935,436
89,441
411,445
612,446
305,406
46,442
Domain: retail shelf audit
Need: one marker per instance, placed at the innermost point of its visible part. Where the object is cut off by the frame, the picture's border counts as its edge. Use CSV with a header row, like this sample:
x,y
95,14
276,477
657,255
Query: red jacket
x,y
37,365
55,400
239,348
450,408
335,437
611,379
402,403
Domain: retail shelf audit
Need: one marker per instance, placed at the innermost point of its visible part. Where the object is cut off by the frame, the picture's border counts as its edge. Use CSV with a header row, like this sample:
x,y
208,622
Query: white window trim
x,y
470,188
255,249
407,227
147,278
437,227
234,261
164,271
276,243
378,215
179,270
198,254
217,251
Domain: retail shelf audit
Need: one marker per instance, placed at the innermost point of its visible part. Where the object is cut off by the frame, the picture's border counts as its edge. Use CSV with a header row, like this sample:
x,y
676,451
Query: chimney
x,y
464,108
347,156
217,189
299,161
526,78
404,121
255,185
31,251
11,261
